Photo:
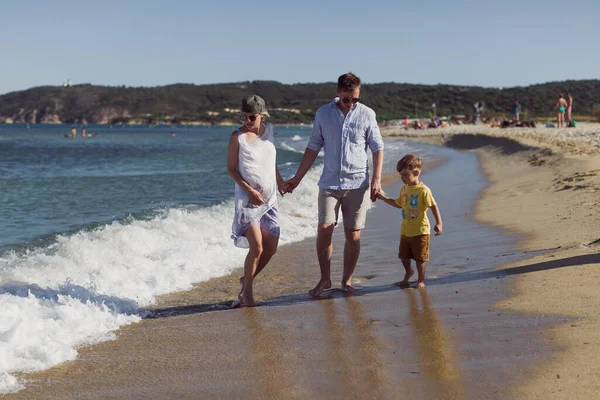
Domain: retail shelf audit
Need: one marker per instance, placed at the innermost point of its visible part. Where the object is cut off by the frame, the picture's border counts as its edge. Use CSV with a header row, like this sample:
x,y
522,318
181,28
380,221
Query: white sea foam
x,y
84,286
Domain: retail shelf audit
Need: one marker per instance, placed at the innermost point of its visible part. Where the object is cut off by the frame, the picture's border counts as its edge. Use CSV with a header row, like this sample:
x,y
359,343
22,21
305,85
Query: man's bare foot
x,y
322,285
420,285
349,289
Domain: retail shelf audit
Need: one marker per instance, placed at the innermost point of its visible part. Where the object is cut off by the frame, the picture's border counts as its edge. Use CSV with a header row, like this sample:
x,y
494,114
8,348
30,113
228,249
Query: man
x,y
516,110
344,129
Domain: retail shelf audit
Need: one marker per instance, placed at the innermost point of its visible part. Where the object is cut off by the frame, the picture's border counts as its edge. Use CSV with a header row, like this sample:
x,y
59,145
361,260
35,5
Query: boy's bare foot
x,y
404,282
322,285
420,285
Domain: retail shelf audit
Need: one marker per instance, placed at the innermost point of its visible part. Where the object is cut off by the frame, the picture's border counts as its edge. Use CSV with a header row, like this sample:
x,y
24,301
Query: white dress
x,y
256,165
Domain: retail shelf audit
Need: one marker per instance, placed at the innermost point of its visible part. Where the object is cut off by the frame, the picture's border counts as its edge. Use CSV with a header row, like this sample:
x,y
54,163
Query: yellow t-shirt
x,y
415,201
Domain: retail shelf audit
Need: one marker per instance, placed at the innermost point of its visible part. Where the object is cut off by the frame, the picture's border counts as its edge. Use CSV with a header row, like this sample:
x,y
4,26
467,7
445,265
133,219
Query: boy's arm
x,y
390,201
438,220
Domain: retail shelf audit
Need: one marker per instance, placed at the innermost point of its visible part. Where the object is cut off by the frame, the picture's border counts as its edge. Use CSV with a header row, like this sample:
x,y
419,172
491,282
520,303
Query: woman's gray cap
x,y
254,104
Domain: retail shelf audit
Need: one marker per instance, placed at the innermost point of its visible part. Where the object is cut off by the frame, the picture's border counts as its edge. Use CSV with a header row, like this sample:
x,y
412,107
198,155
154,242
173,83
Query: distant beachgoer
x,y
569,108
406,122
417,125
83,134
414,199
251,164
560,107
516,110
73,132
345,129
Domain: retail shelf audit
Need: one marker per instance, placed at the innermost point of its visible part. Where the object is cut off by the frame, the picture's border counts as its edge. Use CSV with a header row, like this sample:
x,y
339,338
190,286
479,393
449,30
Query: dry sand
x,y
446,342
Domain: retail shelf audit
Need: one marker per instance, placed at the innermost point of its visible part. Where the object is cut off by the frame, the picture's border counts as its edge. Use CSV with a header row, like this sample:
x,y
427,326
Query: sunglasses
x,y
347,100
245,118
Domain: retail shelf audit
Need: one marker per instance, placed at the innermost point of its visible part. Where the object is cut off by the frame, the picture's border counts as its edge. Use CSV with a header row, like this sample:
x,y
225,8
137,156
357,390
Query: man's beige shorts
x,y
354,203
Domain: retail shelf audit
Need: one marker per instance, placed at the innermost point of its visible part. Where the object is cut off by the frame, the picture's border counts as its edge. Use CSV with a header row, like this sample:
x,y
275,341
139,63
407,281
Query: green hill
x,y
297,103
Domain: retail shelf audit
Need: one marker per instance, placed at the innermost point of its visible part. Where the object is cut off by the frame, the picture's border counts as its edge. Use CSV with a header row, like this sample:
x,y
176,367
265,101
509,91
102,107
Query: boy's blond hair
x,y
409,162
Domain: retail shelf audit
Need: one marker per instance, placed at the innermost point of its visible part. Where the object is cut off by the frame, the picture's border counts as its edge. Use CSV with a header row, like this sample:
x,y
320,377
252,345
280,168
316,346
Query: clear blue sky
x,y
151,42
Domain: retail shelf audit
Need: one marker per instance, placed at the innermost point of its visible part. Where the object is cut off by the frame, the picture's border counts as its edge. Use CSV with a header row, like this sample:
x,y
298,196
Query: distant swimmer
x,y
73,132
172,133
83,134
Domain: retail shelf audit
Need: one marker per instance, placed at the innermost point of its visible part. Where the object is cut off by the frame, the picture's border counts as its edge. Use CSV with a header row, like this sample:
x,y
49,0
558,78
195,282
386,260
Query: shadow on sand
x,y
366,290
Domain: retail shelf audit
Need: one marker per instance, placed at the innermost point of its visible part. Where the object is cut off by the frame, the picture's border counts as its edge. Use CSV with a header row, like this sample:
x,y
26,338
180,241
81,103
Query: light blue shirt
x,y
345,142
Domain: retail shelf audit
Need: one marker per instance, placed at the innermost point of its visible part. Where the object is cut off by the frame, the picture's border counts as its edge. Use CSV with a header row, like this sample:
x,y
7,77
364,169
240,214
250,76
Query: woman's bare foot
x,y
420,285
247,302
404,282
242,282
322,285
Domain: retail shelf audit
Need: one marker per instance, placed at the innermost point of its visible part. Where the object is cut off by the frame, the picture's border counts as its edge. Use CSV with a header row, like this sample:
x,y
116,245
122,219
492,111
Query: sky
x,y
153,43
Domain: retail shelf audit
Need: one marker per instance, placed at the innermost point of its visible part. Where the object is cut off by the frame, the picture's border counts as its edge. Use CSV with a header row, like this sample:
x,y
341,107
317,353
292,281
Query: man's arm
x,y
375,143
376,179
315,144
308,160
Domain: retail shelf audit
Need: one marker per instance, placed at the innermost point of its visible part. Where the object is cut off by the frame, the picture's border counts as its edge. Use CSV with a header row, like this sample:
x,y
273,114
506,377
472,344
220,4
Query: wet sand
x,y
448,341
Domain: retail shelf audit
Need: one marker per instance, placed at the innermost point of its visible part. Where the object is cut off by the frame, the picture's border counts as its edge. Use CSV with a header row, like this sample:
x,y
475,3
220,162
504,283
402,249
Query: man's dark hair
x,y
348,82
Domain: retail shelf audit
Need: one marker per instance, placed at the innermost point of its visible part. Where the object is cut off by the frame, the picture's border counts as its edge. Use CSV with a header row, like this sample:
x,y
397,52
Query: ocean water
x,y
94,228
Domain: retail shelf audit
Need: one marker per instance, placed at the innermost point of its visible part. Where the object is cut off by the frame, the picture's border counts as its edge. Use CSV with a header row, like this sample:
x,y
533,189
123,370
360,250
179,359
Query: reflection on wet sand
x,y
434,351
354,350
268,357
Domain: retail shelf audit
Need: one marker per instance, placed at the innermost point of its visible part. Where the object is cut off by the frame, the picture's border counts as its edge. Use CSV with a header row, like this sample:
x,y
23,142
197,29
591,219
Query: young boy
x,y
414,200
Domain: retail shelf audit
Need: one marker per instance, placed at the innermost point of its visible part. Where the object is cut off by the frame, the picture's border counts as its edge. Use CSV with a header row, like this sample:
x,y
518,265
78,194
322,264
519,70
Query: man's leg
x,y
351,253
354,210
329,206
324,253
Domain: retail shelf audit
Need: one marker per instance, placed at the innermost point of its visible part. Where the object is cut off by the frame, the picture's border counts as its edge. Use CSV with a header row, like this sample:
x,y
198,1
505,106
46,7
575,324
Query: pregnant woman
x,y
251,164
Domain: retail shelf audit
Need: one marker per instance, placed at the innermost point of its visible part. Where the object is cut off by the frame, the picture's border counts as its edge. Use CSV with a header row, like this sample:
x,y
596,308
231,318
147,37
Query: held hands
x,y
381,196
289,185
375,190
438,229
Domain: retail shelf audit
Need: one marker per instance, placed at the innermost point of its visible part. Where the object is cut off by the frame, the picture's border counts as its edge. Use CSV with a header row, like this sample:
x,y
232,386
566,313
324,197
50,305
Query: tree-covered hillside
x,y
297,103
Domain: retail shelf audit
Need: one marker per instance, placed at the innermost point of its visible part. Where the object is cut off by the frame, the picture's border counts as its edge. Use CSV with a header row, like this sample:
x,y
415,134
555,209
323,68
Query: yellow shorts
x,y
414,247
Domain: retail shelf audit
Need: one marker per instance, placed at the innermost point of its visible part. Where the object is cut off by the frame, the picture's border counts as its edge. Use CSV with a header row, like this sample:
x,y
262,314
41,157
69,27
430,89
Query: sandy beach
x,y
549,196
528,328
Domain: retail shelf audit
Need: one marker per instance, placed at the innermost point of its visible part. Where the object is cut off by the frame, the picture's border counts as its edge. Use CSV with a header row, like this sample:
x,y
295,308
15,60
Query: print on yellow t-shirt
x,y
415,201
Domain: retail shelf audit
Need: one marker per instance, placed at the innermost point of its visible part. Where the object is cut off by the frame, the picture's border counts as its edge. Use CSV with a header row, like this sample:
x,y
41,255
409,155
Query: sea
x,y
94,229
